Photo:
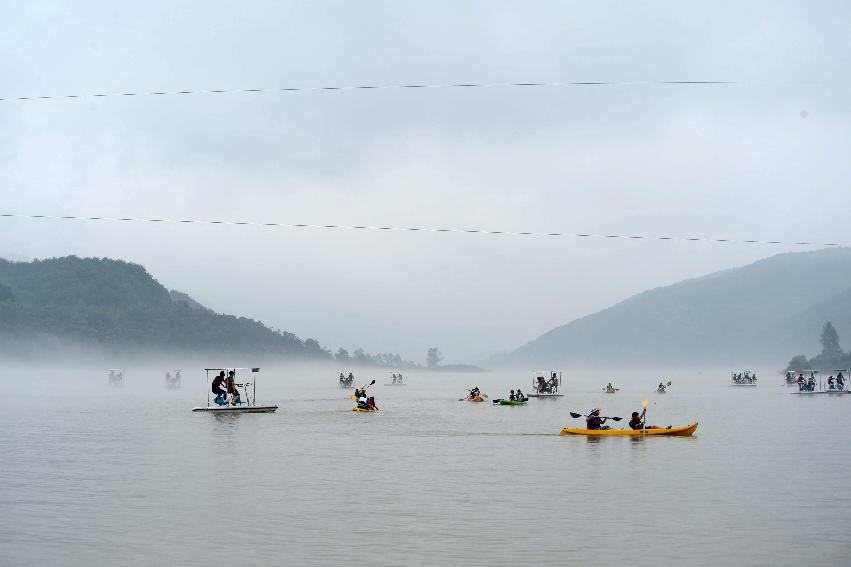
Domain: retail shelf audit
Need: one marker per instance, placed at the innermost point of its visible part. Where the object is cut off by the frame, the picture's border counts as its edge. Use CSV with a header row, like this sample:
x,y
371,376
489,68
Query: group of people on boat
x,y
174,380
364,402
808,384
475,393
544,386
229,395
610,389
397,378
517,397
744,377
346,381
838,384
594,421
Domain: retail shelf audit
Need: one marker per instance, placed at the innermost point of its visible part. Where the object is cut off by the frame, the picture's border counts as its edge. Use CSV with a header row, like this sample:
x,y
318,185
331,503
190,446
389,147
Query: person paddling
x,y
594,421
840,381
520,397
363,403
830,385
637,421
511,396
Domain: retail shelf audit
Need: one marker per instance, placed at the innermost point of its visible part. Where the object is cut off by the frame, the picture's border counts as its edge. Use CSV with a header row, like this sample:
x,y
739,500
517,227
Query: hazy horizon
x,y
760,159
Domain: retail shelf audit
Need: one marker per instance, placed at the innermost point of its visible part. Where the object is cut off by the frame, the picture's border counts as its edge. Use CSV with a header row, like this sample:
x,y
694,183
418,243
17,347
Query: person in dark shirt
x,y
511,396
217,386
637,421
594,421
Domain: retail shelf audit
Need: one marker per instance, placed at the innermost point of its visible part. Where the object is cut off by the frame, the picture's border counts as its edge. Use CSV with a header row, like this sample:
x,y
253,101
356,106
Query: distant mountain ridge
x,y
755,313
114,305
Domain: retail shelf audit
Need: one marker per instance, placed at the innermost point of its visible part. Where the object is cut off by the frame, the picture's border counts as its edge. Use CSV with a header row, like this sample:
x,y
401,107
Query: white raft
x,y
247,406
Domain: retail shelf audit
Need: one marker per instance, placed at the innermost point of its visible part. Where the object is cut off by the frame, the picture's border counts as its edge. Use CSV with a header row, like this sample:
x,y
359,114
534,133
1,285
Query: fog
x,y
765,158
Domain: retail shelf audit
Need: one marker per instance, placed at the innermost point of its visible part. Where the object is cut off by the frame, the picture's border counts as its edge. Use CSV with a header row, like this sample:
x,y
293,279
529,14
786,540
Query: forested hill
x,y
757,313
117,305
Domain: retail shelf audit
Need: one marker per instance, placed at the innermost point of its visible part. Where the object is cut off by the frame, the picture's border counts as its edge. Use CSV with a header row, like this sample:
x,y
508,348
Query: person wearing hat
x,y
594,421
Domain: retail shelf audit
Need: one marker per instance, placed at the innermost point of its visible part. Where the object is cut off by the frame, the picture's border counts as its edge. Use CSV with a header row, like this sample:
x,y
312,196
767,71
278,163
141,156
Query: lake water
x,y
97,475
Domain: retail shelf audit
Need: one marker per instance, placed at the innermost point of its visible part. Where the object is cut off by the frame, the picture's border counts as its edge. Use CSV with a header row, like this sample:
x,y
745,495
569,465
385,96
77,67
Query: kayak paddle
x,y
574,414
363,389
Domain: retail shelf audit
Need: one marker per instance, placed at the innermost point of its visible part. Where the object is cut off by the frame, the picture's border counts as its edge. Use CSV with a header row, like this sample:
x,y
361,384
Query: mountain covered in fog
x,y
763,312
113,304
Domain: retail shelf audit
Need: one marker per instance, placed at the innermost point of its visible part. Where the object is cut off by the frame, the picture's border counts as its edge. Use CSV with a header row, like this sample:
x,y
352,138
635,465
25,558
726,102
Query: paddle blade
x,y
669,382
574,414
371,383
644,403
616,418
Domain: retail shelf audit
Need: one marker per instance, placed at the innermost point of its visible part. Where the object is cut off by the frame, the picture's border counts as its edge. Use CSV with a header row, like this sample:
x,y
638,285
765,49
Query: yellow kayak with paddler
x,y
686,431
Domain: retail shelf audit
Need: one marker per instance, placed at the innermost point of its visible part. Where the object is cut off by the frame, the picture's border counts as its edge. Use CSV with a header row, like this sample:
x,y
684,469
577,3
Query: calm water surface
x,y
98,475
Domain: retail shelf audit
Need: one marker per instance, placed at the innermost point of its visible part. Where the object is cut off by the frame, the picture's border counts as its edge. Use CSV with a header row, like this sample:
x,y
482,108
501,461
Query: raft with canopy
x,y
248,403
546,384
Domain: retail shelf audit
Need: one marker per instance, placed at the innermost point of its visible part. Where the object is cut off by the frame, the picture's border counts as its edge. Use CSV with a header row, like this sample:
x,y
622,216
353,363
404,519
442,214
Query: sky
x,y
765,158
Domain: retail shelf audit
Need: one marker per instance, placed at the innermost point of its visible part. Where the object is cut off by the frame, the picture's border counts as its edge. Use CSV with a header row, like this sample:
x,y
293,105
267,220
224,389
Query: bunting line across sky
x,y
210,222
142,93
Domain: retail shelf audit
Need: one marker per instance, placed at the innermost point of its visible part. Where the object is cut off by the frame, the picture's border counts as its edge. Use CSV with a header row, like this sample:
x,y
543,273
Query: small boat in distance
x,y
233,402
116,377
791,378
546,385
397,380
172,380
347,381
746,378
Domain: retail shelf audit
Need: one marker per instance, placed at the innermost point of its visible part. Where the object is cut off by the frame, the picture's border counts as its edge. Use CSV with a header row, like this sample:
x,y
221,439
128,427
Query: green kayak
x,y
512,403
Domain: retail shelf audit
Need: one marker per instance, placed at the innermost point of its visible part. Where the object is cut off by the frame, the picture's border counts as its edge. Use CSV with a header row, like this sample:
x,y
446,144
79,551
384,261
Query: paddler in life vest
x,y
594,421
830,385
511,396
362,401
840,381
475,393
520,397
637,421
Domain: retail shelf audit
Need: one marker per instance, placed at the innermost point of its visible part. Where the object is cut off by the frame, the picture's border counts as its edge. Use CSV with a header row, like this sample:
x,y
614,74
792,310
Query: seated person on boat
x,y
840,381
475,393
661,387
217,389
520,396
232,389
637,421
594,421
362,401
511,396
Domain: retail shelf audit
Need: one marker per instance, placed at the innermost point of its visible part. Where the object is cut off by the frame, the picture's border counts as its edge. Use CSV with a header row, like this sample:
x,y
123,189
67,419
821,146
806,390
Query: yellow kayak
x,y
477,399
675,431
366,410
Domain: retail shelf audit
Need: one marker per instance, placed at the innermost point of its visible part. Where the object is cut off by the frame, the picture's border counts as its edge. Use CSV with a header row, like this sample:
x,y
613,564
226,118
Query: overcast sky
x,y
766,158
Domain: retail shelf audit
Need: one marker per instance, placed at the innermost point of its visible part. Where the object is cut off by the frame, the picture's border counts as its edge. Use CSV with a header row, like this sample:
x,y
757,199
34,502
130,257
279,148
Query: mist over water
x,y
129,475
